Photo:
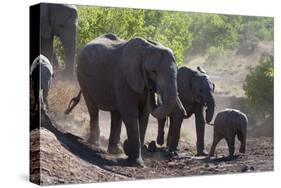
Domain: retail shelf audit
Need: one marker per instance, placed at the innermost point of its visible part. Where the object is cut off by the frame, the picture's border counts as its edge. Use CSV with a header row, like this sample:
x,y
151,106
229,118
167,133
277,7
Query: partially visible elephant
x,y
121,77
41,72
195,92
228,124
61,21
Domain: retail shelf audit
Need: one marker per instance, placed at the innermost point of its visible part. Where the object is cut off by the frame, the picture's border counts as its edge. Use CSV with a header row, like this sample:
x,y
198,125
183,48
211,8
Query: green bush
x,y
183,33
259,87
168,28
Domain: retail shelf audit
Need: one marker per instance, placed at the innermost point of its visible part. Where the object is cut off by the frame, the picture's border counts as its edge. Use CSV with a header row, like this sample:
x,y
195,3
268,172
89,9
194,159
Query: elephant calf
x,y
228,124
41,72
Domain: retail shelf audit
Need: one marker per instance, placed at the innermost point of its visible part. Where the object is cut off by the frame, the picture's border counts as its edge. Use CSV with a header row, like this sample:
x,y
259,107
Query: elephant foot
x,y
210,154
160,140
115,149
172,154
202,153
135,162
152,146
231,157
172,149
242,150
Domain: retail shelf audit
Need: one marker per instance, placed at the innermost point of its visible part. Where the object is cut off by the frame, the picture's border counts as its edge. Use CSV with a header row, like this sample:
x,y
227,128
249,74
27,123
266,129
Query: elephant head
x,y
150,67
203,90
61,21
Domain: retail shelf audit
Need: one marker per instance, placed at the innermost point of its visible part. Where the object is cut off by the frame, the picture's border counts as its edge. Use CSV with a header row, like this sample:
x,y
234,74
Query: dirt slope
x,y
66,158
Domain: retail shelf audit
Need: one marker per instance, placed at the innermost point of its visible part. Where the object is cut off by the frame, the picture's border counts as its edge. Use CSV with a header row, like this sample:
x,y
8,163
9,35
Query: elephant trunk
x,y
168,96
68,42
210,108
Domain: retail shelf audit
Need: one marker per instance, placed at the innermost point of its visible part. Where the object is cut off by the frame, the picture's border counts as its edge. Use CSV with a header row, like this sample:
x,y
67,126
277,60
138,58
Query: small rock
x,y
152,146
247,168
171,163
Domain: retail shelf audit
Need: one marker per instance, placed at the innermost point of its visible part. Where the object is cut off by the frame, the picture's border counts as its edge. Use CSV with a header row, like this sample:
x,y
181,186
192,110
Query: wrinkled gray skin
x,y
228,124
119,76
195,92
61,21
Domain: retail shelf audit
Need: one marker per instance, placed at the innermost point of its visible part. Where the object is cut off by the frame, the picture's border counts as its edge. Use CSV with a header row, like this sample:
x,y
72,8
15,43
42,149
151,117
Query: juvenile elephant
x,y
61,21
195,92
120,76
41,72
228,124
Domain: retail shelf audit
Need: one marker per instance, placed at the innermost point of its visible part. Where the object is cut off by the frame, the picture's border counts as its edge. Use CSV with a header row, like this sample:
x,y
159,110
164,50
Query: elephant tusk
x,y
159,99
179,103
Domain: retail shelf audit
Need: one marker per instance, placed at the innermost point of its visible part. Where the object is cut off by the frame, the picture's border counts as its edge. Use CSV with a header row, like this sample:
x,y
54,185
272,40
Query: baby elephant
x,y
228,124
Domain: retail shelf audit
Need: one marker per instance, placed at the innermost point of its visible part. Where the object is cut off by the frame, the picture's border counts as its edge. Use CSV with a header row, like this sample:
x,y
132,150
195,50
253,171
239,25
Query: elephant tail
x,y
73,102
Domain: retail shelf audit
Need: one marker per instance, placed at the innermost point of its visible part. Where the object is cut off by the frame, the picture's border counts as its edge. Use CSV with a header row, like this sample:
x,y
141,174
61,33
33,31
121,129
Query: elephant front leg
x,y
161,133
216,140
132,146
94,127
200,133
68,41
143,123
128,106
174,130
114,146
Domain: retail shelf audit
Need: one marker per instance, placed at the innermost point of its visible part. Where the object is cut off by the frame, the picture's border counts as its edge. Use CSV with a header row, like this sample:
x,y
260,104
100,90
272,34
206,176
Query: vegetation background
x,y
232,49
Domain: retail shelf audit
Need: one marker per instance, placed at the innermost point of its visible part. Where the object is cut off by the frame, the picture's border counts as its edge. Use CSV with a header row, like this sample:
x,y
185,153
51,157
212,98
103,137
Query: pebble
x,y
247,168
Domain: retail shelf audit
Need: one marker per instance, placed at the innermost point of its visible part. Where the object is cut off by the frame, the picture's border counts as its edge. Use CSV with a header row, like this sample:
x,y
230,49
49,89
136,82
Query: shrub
x,y
259,87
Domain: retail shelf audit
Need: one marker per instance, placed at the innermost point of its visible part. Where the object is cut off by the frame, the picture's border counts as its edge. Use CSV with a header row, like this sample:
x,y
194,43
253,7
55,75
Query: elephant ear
x,y
132,63
192,80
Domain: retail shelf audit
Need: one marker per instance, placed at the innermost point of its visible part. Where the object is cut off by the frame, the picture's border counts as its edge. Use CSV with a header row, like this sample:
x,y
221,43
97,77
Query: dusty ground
x,y
68,158
61,153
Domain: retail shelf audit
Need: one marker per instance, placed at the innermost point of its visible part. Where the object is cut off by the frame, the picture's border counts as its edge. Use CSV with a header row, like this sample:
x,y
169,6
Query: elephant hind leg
x,y
231,144
242,140
94,126
217,139
114,146
94,137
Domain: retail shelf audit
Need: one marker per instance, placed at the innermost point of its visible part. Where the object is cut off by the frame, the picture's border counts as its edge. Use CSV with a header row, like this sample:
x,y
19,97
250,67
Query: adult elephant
x,y
121,76
58,20
195,92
